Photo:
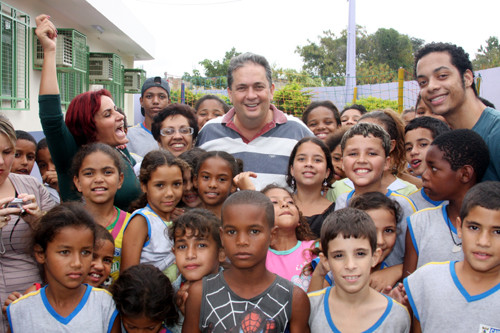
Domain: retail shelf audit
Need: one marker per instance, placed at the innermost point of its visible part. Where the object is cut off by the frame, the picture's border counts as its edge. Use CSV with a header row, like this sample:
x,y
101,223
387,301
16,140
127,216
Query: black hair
x,y
376,200
102,234
303,230
152,161
201,222
434,125
366,129
42,144
192,156
485,194
253,198
324,148
394,125
234,164
348,222
487,103
95,147
183,110
327,104
68,214
225,107
464,147
459,58
143,290
333,140
23,135
358,107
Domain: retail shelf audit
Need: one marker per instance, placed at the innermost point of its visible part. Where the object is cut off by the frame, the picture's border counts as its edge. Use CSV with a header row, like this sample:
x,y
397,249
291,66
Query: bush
x,y
374,103
292,99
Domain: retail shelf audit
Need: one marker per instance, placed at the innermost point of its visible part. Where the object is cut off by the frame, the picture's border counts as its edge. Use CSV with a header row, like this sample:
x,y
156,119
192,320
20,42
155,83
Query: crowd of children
x,y
385,226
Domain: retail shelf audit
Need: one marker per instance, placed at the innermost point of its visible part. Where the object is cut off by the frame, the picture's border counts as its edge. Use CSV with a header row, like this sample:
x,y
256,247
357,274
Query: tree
x,y
386,48
289,75
489,55
215,72
291,99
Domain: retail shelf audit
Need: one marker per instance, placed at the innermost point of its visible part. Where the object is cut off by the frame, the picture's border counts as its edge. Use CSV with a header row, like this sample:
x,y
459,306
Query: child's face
x,y
189,194
214,181
44,161
245,235
321,122
350,260
102,259
196,255
164,190
417,143
385,223
309,165
140,324
24,157
480,234
337,163
98,178
286,213
67,257
209,109
350,117
364,160
439,181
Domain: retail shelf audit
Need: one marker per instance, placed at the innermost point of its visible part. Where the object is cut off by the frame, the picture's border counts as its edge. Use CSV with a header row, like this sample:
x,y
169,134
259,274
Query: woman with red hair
x,y
91,117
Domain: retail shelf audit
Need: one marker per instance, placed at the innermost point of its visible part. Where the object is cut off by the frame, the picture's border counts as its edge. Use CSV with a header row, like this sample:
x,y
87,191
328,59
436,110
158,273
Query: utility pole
x,y
350,73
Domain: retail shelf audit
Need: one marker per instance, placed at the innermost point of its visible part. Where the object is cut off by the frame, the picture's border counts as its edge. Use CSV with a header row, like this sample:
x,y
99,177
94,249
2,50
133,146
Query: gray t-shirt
x,y
394,319
96,312
140,140
441,303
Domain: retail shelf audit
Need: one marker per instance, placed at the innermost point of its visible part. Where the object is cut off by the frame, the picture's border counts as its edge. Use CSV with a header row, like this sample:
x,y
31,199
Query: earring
x,y
293,183
325,183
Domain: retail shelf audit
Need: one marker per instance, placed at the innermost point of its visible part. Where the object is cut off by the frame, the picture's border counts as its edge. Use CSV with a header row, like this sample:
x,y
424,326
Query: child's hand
x,y
182,296
11,298
398,294
50,177
243,182
46,32
387,277
176,213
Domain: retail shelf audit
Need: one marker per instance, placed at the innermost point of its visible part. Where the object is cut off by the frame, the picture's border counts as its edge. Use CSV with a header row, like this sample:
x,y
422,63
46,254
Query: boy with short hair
x,y
419,134
455,161
246,295
365,156
463,296
349,243
198,252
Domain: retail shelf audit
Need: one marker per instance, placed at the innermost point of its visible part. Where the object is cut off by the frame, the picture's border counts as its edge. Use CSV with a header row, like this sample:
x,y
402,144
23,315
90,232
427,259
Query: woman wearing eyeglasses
x,y
175,128
91,117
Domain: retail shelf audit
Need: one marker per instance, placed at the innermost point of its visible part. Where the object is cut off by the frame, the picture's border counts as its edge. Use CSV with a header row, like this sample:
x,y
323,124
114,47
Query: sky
x,y
188,31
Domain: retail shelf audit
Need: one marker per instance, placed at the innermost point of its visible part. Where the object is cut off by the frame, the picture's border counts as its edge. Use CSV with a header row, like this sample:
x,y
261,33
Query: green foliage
x,y
289,75
370,73
385,50
191,98
489,55
292,99
374,103
215,72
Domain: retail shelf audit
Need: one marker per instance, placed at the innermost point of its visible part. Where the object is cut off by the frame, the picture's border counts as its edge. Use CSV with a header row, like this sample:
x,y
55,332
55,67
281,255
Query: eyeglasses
x,y
169,131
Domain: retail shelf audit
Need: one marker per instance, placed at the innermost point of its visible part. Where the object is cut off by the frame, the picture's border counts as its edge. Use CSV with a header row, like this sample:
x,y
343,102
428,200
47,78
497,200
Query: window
x,y
14,75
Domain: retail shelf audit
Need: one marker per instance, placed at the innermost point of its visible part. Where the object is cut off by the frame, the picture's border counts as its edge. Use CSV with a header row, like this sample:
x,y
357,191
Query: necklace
x,y
126,157
457,247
